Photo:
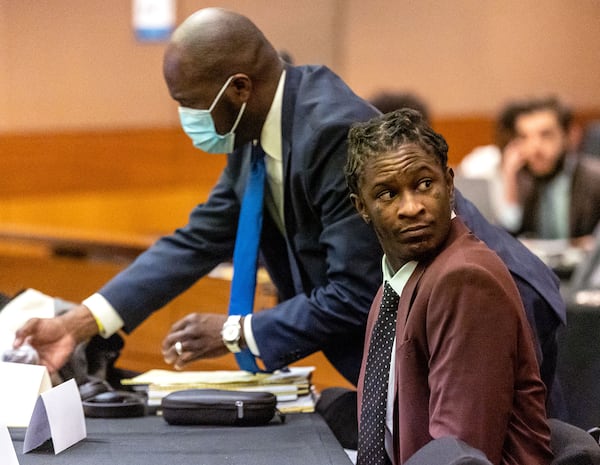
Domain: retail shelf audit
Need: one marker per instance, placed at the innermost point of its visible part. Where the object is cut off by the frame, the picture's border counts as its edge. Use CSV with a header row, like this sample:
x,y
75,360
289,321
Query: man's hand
x,y
512,162
513,159
200,337
55,339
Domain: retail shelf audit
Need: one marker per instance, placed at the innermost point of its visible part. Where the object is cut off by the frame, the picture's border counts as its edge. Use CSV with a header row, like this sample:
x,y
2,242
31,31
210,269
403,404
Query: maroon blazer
x,y
465,360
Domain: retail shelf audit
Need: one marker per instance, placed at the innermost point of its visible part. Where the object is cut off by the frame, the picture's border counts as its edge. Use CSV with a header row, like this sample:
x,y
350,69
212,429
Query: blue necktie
x,y
245,252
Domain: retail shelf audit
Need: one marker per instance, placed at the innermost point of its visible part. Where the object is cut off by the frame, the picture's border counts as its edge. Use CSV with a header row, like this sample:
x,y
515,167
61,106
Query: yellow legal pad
x,y
292,386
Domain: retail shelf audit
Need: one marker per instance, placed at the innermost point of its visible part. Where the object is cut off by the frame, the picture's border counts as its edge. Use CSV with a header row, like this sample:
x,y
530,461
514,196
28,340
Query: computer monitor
x,y
478,191
584,285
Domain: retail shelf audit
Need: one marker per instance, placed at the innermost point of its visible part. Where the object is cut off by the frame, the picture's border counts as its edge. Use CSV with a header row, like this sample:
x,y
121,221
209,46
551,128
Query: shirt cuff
x,y
107,318
249,336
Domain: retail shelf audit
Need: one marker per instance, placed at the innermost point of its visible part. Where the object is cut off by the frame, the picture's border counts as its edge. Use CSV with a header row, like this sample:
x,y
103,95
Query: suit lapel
x,y
407,298
290,93
288,105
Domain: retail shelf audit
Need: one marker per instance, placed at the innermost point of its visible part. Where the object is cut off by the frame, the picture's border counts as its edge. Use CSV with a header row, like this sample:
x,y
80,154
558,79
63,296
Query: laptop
x,y
584,285
478,191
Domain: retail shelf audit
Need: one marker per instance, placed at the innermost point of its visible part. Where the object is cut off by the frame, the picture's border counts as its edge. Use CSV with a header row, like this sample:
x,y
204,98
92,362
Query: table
x,y
304,439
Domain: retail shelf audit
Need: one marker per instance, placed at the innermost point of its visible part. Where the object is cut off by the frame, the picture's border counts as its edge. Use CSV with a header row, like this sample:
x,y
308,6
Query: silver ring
x,y
178,347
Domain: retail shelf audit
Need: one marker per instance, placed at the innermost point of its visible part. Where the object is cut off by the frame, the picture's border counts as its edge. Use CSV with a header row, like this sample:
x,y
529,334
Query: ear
x,y
360,207
450,184
242,85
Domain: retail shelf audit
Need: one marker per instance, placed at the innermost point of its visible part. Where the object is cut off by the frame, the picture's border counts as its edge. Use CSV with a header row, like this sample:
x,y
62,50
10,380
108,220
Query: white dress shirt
x,y
397,281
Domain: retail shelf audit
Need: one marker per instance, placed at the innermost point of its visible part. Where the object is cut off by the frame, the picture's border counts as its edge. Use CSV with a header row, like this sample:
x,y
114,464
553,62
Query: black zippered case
x,y
218,407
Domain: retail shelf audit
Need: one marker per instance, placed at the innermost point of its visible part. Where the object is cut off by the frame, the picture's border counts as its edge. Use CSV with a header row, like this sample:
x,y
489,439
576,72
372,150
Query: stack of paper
x,y
292,386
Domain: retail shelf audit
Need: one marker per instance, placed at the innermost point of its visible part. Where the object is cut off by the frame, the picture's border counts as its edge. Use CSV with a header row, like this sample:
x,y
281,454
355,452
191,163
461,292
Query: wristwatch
x,y
232,333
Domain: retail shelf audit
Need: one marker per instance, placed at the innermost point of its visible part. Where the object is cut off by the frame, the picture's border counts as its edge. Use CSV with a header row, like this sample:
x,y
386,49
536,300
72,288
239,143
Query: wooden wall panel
x,y
58,163
52,163
149,158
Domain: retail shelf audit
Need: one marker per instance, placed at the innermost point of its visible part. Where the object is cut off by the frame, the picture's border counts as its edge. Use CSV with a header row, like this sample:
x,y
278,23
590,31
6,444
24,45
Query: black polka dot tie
x,y
371,434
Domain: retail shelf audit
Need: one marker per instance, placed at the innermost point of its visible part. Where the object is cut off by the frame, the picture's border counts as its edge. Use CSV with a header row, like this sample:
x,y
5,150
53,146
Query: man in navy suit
x,y
233,89
320,255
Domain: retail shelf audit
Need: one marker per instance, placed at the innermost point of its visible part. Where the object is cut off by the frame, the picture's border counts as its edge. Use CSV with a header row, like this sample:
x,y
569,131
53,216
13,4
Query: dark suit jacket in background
x,y
584,205
465,363
539,289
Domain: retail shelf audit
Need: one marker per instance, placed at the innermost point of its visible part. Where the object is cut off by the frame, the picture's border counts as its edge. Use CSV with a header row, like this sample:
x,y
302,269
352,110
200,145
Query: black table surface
x,y
303,439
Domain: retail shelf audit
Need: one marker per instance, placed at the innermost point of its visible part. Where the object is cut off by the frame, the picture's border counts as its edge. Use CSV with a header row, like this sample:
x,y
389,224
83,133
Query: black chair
x,y
337,406
448,451
572,445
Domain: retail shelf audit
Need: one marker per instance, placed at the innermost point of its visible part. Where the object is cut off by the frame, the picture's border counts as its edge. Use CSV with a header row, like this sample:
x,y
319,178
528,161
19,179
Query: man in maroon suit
x,y
461,362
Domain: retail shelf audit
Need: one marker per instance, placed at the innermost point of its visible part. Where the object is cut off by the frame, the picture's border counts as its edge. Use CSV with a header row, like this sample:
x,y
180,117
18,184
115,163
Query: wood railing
x,y
104,160
98,161
75,243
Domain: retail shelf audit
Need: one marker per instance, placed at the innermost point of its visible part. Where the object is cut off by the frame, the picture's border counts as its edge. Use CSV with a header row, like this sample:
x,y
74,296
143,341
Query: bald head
x,y
214,43
206,50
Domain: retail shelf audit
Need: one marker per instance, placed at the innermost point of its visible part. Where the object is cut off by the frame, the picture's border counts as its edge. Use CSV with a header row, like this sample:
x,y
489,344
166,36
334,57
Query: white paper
x,y
19,389
28,304
219,377
8,456
58,414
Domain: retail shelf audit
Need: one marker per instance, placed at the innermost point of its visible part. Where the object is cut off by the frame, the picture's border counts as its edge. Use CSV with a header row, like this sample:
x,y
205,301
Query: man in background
x,y
549,192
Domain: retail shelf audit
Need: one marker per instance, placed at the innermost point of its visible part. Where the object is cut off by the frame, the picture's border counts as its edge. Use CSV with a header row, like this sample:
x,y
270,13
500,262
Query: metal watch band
x,y
231,333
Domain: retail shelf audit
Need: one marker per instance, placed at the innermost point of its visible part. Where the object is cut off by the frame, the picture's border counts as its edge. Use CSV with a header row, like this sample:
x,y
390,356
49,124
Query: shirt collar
x,y
399,279
270,136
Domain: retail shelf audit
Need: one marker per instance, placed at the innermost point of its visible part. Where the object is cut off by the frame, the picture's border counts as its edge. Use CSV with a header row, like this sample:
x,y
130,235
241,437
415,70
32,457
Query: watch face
x,y
231,333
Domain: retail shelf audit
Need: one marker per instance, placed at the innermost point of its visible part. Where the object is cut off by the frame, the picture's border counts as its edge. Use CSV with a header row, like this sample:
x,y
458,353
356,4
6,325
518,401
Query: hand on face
x,y
542,141
513,159
200,337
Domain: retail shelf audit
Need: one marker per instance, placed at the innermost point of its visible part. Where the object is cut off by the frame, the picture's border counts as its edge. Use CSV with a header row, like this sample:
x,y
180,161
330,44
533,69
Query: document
x,y
8,456
221,378
58,415
28,304
291,386
20,387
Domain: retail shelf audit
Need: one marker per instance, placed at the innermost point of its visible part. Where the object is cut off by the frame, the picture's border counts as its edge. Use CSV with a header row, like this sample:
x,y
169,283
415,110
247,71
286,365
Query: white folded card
x,y
28,304
8,456
58,415
19,389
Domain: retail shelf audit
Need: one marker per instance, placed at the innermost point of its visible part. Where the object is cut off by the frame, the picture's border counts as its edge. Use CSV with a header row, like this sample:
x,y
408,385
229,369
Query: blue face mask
x,y
200,127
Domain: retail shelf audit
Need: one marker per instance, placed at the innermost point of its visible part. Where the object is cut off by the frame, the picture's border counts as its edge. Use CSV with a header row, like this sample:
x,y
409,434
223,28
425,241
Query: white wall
x,y
469,56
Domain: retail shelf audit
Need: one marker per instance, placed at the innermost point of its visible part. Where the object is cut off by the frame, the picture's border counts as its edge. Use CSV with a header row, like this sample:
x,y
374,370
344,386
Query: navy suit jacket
x,y
328,269
584,203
